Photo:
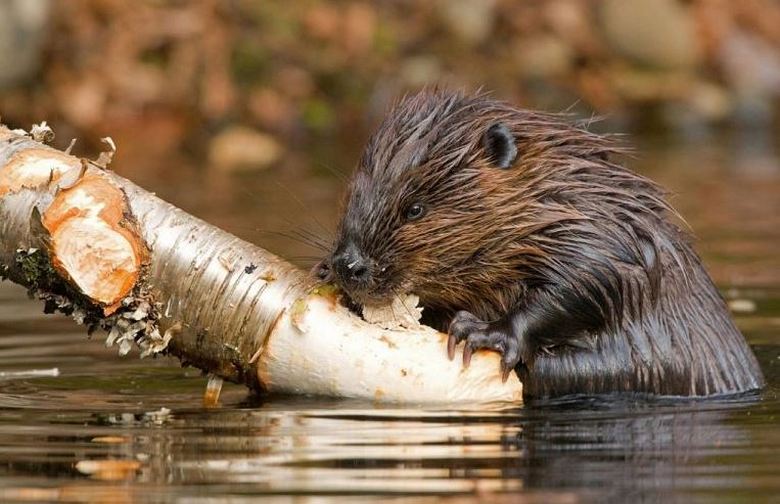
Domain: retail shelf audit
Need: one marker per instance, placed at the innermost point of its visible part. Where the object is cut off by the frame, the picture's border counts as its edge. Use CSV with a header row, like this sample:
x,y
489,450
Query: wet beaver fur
x,y
521,234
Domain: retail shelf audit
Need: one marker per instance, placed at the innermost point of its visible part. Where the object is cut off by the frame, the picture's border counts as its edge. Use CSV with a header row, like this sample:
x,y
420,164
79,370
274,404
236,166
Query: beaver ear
x,y
499,145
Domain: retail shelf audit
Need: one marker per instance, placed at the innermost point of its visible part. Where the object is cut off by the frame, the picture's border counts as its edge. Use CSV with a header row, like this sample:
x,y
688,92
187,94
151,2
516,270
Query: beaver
x,y
521,233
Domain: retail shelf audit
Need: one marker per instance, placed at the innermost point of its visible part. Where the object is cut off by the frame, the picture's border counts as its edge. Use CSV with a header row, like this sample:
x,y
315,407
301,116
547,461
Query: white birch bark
x,y
95,245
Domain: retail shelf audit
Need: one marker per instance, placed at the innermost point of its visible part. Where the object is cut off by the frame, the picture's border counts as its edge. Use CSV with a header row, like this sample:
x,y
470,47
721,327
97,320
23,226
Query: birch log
x,y
97,247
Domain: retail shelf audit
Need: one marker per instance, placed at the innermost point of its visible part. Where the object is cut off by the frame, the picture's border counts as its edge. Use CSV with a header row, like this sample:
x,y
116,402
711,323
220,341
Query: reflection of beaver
x,y
517,229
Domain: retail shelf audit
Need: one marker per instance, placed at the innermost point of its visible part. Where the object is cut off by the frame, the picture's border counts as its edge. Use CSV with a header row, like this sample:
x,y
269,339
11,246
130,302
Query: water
x,y
111,429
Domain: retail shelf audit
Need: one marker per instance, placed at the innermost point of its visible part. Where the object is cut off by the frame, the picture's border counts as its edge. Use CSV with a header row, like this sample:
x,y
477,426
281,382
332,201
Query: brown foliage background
x,y
292,69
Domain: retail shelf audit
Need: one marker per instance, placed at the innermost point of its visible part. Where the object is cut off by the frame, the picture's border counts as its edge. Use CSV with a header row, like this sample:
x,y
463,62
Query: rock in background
x,y
22,36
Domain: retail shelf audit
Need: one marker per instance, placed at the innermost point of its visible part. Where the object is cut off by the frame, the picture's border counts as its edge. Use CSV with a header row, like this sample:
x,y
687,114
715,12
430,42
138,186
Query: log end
x,y
93,239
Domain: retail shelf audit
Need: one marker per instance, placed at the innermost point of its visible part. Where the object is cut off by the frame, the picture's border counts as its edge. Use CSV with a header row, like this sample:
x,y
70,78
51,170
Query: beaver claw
x,y
480,335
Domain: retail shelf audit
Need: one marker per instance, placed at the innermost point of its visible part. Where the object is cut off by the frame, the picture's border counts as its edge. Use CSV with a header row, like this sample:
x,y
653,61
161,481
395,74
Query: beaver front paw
x,y
478,335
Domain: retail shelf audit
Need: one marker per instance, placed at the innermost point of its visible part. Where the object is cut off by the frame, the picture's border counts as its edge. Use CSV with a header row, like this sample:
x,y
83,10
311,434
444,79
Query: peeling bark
x,y
95,246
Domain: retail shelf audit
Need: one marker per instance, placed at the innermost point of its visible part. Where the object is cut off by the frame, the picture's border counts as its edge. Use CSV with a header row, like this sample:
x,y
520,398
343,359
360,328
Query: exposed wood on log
x,y
95,246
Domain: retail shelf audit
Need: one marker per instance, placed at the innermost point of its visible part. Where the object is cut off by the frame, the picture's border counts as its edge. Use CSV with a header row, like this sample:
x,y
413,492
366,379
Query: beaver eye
x,y
415,211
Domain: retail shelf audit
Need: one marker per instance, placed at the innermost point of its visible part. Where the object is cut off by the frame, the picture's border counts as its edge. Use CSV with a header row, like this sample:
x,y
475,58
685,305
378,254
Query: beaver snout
x,y
352,268
322,271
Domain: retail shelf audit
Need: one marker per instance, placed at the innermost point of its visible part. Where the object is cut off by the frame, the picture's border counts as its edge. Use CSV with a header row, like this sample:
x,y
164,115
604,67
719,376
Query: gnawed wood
x,y
95,246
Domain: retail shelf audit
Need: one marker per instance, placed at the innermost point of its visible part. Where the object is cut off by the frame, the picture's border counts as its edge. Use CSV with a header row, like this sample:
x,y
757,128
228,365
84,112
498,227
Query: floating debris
x,y
29,373
158,417
111,439
742,305
109,469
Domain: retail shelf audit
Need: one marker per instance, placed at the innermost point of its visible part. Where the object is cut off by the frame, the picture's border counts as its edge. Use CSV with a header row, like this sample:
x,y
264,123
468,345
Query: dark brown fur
x,y
567,251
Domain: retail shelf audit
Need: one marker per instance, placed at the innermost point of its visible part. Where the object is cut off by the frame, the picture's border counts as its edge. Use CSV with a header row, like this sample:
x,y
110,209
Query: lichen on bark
x,y
135,321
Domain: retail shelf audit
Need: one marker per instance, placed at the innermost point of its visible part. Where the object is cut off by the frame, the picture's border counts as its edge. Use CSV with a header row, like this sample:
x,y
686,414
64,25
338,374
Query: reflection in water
x,y
311,451
627,450
121,430
585,448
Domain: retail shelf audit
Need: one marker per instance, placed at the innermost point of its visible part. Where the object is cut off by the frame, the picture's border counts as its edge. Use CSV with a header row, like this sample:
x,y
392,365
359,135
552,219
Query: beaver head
x,y
453,199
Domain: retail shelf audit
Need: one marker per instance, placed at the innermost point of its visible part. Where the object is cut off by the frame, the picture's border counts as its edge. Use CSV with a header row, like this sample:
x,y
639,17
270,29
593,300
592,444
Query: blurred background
x,y
297,70
252,113
247,112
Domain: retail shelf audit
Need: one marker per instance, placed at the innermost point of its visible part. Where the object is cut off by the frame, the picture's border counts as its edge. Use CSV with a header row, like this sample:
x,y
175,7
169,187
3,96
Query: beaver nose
x,y
351,266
